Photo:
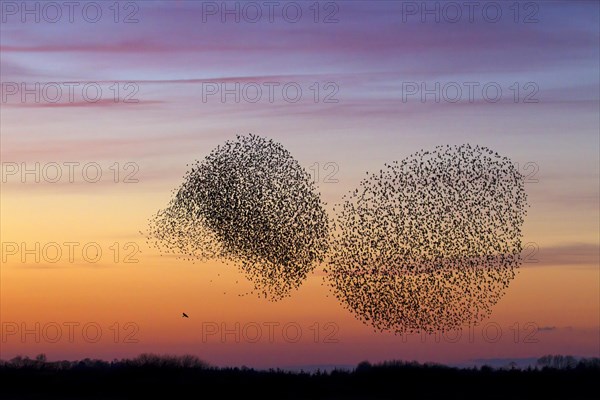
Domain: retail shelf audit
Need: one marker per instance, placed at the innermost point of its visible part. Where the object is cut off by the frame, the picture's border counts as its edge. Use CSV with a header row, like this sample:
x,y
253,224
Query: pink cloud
x,y
83,103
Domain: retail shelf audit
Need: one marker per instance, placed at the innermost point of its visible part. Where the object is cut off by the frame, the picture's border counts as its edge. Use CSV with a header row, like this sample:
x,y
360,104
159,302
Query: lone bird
x,y
184,315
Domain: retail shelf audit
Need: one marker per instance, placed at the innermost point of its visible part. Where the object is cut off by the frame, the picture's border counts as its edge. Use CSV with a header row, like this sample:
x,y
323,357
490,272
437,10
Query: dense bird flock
x,y
249,202
431,242
426,244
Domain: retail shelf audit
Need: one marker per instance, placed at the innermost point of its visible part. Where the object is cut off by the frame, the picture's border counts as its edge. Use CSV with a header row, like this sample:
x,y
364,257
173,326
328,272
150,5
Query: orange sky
x,y
557,301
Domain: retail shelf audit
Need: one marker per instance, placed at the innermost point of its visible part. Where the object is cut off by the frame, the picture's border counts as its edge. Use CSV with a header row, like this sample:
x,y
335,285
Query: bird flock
x,y
431,242
250,203
428,243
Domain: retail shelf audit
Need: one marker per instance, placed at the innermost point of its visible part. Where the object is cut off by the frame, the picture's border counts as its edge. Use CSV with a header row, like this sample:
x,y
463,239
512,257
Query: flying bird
x,y
184,315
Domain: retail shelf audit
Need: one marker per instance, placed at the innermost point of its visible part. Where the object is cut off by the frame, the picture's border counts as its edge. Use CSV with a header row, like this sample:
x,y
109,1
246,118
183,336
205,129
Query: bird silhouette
x,y
184,315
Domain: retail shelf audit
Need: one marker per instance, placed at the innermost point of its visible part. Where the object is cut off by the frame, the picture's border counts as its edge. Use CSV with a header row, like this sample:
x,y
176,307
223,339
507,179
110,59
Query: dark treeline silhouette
x,y
156,376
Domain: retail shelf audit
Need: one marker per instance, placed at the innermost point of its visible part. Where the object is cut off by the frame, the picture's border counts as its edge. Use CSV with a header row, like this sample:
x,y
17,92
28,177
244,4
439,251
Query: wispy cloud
x,y
572,254
546,328
102,103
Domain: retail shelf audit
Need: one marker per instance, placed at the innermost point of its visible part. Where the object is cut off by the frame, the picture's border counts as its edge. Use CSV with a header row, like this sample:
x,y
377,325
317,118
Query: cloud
x,y
406,46
546,328
570,254
499,362
83,103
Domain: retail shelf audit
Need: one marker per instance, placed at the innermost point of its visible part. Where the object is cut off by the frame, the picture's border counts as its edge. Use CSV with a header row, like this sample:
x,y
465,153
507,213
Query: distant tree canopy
x,y
170,376
141,361
188,361
567,362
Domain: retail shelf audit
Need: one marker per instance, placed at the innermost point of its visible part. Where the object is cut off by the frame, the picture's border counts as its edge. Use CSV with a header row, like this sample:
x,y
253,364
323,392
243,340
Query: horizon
x,y
545,361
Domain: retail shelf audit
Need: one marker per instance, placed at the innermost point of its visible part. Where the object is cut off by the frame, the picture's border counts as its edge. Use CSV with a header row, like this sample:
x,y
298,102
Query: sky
x,y
105,104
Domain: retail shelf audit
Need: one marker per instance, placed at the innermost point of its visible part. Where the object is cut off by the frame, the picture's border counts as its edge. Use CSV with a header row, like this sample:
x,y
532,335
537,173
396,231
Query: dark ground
x,y
188,377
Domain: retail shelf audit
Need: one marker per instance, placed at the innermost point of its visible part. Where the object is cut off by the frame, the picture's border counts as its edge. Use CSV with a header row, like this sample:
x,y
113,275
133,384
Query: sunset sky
x,y
154,73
